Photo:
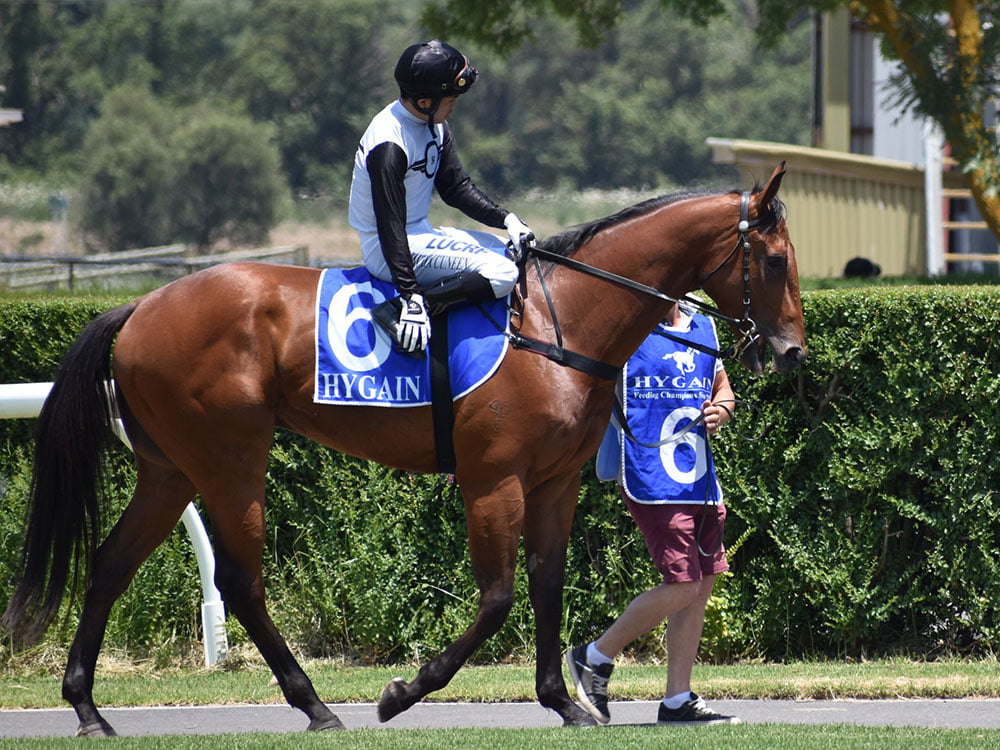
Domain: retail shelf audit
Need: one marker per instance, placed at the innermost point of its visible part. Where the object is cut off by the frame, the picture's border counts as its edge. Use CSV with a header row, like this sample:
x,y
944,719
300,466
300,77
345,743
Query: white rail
x,y
24,400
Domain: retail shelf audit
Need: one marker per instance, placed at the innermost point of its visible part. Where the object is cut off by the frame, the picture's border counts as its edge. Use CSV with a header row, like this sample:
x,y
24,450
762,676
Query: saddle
x,y
356,364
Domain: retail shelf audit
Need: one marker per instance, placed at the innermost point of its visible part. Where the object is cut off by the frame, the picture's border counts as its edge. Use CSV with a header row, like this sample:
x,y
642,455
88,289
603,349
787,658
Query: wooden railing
x,y
950,225
116,269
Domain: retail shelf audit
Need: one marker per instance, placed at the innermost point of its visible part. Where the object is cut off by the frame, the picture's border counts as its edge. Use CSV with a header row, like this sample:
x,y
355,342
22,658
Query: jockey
x,y
406,154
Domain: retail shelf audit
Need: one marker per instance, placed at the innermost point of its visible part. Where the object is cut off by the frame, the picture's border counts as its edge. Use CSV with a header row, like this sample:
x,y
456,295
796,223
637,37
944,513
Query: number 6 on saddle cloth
x,y
356,363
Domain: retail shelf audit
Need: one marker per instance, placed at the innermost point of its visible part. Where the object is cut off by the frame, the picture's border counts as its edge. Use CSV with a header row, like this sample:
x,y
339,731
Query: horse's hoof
x,y
579,718
99,728
323,725
393,699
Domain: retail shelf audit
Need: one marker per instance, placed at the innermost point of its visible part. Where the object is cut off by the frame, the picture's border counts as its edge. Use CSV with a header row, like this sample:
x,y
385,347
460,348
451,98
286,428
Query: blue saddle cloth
x,y
356,363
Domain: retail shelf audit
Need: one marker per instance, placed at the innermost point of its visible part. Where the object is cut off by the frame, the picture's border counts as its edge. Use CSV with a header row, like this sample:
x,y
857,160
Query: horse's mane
x,y
566,242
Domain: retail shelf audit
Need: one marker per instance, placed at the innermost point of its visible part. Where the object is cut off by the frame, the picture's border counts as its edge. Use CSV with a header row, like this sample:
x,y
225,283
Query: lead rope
x,y
709,489
708,507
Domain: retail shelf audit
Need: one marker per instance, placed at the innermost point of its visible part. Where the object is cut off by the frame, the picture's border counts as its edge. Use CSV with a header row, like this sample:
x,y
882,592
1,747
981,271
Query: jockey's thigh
x,y
446,251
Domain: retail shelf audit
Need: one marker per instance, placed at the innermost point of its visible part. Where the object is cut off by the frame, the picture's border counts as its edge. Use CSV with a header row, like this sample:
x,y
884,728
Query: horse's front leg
x,y
548,519
494,521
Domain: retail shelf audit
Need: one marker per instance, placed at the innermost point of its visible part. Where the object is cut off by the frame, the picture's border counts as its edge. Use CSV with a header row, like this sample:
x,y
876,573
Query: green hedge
x,y
869,508
863,518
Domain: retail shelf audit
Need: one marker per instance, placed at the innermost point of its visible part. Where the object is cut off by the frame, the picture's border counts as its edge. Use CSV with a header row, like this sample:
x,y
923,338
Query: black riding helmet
x,y
433,70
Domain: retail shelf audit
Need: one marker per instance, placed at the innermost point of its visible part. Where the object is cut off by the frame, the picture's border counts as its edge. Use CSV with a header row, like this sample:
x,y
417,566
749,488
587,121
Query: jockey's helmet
x,y
432,70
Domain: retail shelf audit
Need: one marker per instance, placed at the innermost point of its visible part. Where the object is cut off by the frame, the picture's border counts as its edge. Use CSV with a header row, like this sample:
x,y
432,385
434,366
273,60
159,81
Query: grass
x,y
143,685
130,685
745,737
321,224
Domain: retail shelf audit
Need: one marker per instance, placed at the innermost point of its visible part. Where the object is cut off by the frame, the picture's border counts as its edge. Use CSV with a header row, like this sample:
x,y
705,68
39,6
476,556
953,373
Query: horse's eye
x,y
776,262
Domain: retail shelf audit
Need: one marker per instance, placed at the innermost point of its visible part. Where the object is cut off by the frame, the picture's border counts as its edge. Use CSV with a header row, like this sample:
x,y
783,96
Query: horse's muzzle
x,y
790,359
785,358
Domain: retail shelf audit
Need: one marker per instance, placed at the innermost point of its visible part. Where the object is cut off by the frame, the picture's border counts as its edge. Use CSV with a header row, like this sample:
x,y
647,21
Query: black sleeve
x,y
387,166
456,189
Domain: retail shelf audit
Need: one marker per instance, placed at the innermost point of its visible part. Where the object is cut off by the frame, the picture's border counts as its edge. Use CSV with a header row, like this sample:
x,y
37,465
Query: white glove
x,y
414,326
520,233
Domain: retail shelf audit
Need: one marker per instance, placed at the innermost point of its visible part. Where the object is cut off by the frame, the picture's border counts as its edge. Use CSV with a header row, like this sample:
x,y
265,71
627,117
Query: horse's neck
x,y
666,249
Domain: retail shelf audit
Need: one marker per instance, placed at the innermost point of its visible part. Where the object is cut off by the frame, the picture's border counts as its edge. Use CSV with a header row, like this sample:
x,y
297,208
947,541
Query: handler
x,y
406,153
674,496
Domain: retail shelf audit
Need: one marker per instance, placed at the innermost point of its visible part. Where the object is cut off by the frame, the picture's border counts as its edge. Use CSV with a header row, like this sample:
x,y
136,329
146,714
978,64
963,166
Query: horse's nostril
x,y
795,355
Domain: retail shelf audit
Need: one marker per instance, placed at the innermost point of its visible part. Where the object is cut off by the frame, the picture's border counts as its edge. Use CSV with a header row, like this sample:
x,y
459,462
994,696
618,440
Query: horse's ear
x,y
771,188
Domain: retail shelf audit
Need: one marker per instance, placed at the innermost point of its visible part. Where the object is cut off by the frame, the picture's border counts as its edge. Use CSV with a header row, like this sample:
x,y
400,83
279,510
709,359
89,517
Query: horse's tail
x,y
74,428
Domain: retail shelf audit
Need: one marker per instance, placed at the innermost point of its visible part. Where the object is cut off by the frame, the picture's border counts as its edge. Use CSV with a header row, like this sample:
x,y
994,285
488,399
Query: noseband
x,y
556,352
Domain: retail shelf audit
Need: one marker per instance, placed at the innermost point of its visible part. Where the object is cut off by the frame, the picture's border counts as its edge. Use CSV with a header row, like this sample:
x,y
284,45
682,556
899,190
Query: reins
x,y
557,353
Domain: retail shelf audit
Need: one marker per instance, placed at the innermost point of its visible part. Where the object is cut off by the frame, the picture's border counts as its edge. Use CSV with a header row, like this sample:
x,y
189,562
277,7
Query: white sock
x,y
595,657
676,701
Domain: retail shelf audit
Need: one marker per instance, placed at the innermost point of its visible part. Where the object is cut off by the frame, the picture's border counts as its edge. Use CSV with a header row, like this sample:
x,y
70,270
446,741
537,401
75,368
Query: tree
x,y
948,50
227,182
553,115
312,69
951,71
560,115
155,174
125,182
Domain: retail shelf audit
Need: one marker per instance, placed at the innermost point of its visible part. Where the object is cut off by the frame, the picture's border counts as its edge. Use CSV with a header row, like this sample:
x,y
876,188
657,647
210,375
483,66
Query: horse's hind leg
x,y
157,503
548,519
237,512
494,523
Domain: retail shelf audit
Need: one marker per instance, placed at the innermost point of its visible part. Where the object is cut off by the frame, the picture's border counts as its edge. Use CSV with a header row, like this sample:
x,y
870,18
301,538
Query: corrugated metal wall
x,y
842,206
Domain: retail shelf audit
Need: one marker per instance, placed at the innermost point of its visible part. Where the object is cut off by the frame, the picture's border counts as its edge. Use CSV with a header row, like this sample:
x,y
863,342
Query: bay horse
x,y
205,368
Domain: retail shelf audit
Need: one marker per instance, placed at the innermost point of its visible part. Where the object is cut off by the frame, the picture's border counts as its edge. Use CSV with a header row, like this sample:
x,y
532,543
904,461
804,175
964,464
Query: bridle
x,y
745,325
557,353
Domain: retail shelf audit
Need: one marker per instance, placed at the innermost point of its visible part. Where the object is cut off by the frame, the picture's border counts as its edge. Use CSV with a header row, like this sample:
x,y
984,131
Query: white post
x,y
24,400
934,198
213,611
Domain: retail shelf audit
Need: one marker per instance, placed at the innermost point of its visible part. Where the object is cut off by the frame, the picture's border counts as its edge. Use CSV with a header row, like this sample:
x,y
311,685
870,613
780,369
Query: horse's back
x,y
216,341
221,305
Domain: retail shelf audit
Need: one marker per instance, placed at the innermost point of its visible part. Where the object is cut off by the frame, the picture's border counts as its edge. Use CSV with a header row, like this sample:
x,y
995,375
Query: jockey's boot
x,y
468,286
386,315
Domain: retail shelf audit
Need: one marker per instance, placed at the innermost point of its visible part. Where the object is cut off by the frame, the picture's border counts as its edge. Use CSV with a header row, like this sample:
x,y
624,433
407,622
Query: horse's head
x,y
772,286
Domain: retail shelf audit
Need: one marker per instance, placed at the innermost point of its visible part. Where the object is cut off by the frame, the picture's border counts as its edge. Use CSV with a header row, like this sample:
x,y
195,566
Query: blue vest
x,y
664,385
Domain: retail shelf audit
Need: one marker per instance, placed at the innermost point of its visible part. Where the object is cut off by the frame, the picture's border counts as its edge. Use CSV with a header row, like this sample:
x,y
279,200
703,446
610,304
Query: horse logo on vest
x,y
683,360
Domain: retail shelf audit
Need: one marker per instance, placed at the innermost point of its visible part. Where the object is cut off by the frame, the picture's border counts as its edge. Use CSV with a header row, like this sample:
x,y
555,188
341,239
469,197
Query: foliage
x,y
948,50
226,181
620,115
634,113
863,521
154,175
868,508
147,619
126,179
950,75
313,70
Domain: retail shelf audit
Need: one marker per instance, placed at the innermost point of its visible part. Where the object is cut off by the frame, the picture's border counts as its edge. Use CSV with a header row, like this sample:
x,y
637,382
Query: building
x,y
854,112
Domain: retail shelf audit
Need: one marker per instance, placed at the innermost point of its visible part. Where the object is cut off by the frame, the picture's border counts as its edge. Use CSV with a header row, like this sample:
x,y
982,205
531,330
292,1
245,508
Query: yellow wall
x,y
841,205
836,121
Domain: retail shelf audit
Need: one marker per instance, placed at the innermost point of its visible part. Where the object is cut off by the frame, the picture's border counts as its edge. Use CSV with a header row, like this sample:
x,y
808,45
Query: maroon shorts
x,y
685,541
